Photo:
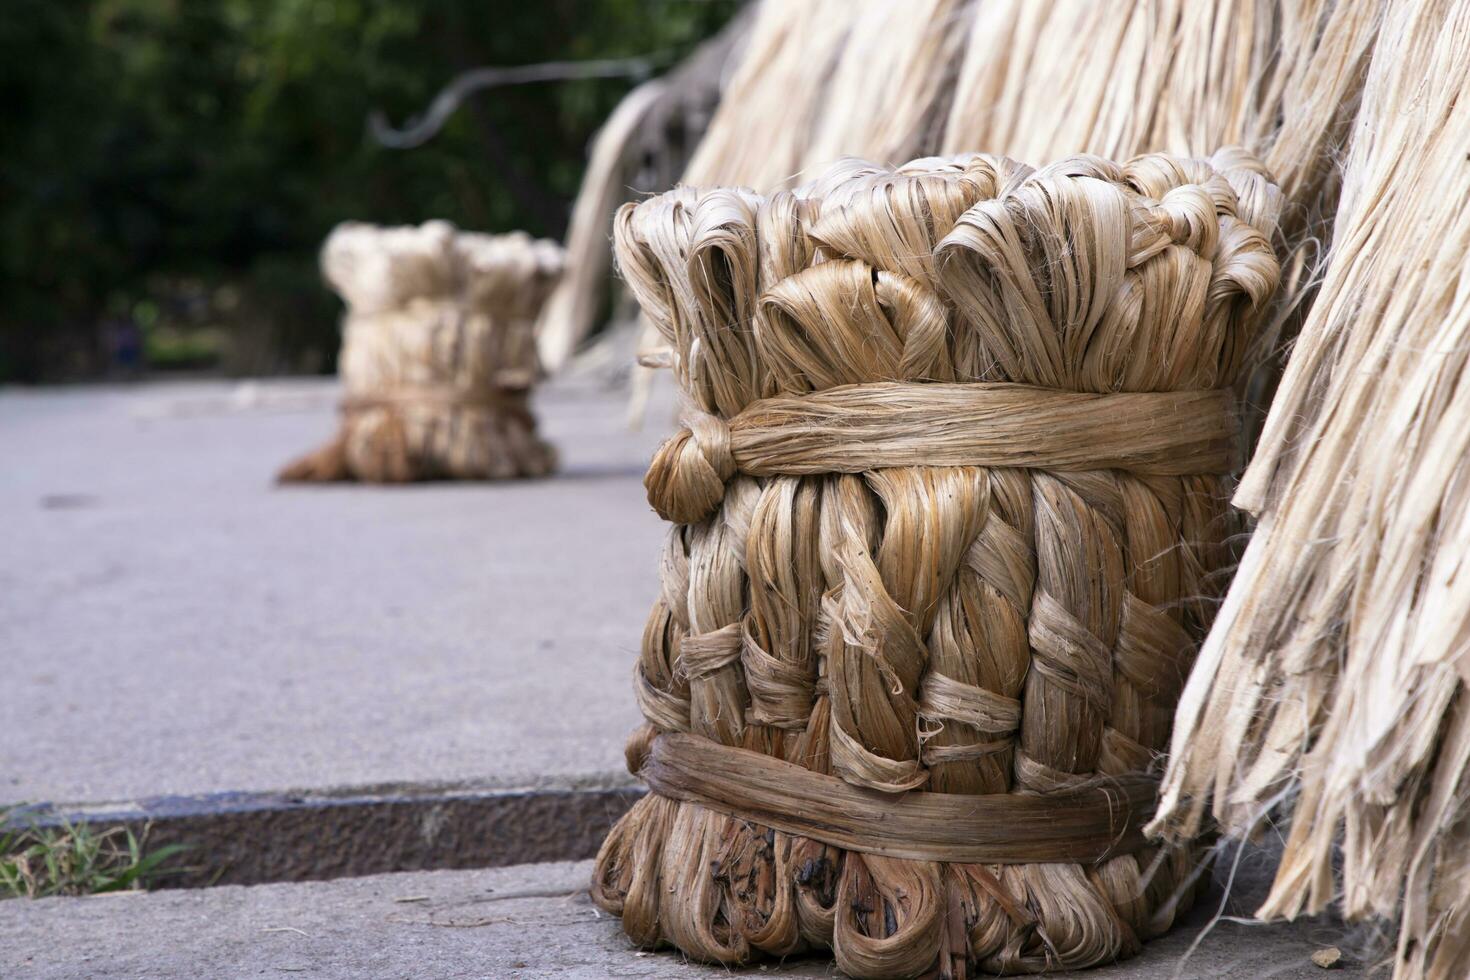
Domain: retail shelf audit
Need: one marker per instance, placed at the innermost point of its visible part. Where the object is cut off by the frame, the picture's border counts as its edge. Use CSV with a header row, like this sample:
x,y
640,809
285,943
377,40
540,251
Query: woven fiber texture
x,y
949,518
438,354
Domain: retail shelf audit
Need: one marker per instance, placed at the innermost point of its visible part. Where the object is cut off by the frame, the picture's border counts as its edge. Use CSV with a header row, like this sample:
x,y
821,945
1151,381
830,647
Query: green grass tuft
x,y
75,859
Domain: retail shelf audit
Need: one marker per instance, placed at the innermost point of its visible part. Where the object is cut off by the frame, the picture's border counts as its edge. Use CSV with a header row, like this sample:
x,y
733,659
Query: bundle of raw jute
x,y
948,509
1335,679
438,354
1040,79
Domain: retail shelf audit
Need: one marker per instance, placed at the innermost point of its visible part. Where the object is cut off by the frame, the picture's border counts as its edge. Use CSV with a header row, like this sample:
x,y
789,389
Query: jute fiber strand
x,y
1041,78
947,515
778,90
438,354
1335,678
1044,78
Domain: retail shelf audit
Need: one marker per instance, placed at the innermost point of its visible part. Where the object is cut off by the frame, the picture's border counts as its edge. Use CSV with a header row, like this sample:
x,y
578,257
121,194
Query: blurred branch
x,y
420,129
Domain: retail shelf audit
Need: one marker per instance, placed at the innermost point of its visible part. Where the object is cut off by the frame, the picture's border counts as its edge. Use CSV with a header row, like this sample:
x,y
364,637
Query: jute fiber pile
x,y
438,354
947,513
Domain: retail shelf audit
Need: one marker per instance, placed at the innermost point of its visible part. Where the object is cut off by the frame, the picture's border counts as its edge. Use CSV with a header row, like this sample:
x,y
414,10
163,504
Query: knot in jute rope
x,y
687,479
862,427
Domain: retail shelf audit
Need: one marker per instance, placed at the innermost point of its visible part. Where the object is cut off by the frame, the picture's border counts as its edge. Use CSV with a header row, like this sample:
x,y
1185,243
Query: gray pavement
x,y
512,922
172,623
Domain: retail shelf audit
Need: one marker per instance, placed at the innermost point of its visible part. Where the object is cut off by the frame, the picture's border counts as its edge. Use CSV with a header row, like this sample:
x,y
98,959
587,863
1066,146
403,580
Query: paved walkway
x,y
518,922
173,623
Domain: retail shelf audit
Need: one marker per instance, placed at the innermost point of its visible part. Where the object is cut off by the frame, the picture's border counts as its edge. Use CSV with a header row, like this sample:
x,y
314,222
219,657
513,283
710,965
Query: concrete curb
x,y
253,838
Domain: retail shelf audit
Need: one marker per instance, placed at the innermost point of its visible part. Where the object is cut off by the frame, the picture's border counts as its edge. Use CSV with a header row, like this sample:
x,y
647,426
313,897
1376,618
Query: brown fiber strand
x,y
438,354
977,623
1335,676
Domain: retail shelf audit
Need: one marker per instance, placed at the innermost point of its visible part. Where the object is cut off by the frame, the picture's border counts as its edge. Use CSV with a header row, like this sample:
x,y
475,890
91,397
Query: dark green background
x,y
173,165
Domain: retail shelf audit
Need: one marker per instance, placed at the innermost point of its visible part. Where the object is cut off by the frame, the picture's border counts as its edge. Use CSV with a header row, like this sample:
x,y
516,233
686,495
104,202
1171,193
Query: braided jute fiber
x,y
948,517
438,354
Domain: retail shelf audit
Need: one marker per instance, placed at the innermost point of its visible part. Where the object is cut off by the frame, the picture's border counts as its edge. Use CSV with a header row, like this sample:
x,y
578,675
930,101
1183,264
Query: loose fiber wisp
x,y
1336,675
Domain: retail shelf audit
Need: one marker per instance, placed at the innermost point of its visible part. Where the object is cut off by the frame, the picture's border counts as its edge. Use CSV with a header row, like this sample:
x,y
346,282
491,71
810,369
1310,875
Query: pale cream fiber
x,y
438,354
771,106
947,513
1335,676
1041,79
572,308
889,84
1038,79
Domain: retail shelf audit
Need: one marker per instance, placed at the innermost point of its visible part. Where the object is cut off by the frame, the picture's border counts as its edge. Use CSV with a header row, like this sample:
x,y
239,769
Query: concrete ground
x,y
522,922
173,623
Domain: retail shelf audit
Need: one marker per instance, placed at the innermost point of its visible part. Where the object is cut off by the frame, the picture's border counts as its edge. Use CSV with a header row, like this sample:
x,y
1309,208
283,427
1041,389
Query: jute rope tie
x,y
864,427
506,398
1097,819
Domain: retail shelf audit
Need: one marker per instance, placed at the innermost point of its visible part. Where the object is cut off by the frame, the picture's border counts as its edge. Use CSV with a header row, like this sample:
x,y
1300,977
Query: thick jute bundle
x,y
948,515
438,354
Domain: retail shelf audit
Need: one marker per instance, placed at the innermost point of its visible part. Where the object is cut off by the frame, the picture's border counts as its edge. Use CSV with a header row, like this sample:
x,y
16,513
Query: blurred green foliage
x,y
168,168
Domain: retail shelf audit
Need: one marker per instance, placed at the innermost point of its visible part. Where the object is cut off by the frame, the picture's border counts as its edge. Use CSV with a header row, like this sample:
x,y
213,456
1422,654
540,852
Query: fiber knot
x,y
686,480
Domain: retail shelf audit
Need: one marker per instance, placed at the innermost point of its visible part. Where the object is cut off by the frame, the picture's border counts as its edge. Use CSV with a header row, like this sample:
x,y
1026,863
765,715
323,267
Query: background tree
x,y
168,168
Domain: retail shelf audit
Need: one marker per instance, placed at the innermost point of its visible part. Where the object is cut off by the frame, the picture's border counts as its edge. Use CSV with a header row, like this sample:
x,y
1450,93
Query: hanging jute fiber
x,y
641,148
1332,691
438,354
1043,79
948,513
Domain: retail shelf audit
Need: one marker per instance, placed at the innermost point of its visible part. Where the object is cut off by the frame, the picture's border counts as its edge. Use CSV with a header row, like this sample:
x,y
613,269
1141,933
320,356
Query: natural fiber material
x,y
1335,679
438,354
1042,79
1004,621
1092,823
778,90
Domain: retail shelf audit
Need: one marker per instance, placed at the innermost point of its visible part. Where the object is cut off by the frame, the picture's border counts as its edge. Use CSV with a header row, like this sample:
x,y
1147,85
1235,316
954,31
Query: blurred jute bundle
x,y
948,516
438,354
